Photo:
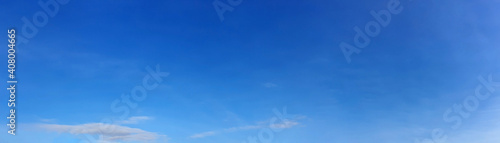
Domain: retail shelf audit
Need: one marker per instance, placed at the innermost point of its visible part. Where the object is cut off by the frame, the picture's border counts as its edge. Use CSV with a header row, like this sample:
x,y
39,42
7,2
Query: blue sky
x,y
226,77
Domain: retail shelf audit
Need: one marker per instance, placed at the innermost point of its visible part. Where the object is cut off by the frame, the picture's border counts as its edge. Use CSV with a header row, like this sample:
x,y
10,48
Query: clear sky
x,y
228,78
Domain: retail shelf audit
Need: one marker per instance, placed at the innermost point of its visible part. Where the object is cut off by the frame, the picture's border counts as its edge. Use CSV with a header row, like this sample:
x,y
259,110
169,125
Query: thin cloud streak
x,y
285,124
135,120
108,132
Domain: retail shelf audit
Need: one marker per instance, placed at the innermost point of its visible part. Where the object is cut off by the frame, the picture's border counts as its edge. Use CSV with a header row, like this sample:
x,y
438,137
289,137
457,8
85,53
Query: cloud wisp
x,y
283,125
134,120
107,132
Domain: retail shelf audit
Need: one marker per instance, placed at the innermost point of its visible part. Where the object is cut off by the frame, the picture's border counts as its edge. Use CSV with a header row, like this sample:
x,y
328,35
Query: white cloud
x,y
204,134
134,120
48,120
250,127
107,132
284,125
260,125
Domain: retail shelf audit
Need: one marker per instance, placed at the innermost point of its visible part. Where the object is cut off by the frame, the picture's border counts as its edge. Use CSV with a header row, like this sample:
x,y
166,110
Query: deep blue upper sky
x,y
231,74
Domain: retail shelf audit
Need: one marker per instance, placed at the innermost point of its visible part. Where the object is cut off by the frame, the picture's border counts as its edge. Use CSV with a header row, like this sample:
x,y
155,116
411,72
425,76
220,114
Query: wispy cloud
x,y
284,125
107,132
204,134
269,85
134,120
242,128
48,120
260,125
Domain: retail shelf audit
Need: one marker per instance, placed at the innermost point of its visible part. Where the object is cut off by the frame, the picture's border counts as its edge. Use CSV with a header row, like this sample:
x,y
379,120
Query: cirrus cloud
x,y
107,132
